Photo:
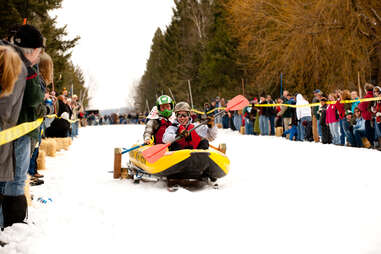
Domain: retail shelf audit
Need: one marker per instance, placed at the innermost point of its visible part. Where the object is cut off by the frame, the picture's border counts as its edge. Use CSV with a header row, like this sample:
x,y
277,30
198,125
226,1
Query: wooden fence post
x,y
117,162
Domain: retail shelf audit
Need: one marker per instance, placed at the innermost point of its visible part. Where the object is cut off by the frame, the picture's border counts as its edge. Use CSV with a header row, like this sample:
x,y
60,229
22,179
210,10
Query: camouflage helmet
x,y
165,99
182,106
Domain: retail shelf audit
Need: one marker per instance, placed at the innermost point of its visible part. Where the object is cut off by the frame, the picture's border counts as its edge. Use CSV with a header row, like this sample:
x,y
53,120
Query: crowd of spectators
x,y
95,118
337,118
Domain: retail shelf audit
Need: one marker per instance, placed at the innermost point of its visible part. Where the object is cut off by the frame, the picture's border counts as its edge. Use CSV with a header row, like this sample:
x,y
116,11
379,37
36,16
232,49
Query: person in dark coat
x,y
60,127
326,137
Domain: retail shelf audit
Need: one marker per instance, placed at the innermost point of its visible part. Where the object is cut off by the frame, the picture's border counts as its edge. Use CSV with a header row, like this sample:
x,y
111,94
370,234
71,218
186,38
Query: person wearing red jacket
x,y
377,111
196,139
366,113
332,120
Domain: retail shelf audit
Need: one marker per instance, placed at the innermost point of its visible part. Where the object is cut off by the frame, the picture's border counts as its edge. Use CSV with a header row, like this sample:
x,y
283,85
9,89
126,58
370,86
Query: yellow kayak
x,y
185,164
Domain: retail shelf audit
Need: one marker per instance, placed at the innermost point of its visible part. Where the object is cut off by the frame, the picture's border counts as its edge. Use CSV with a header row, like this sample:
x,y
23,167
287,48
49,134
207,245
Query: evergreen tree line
x,y
226,47
66,75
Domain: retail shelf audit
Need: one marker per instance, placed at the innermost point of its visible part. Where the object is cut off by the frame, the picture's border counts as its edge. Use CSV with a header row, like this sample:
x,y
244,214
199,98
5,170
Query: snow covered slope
x,y
280,197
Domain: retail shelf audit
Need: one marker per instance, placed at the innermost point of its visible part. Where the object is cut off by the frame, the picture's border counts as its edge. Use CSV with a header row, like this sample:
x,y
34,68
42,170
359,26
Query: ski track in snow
x,y
279,197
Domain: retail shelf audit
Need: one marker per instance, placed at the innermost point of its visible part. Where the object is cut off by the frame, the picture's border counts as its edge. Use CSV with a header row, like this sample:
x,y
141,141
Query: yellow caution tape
x,y
296,106
18,131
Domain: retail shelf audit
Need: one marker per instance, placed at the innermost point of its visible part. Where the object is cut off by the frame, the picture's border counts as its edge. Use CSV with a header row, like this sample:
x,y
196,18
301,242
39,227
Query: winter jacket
x,y
331,116
156,128
340,109
203,132
354,105
378,111
326,137
33,101
365,107
315,109
302,111
10,107
60,127
360,124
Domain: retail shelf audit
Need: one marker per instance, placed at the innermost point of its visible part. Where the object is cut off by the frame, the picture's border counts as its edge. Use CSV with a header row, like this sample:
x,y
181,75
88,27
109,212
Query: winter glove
x,y
184,134
210,122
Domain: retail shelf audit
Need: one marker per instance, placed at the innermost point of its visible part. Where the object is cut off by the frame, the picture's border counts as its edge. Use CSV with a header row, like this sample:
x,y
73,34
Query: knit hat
x,y
28,36
348,112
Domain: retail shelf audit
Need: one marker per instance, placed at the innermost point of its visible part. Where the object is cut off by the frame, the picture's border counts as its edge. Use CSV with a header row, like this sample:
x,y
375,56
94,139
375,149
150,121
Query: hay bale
x,y
66,143
44,145
52,148
41,161
59,142
279,131
242,130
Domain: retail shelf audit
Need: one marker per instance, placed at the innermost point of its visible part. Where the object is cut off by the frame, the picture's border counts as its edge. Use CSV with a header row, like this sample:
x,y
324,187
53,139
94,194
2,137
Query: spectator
x,y
366,113
278,119
60,127
332,119
14,206
285,111
12,85
359,129
342,108
326,137
377,111
354,96
255,114
315,116
263,117
348,124
303,113
271,112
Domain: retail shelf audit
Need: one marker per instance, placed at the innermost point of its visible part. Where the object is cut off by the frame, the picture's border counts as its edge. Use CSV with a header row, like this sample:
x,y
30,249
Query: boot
x,y
14,209
379,144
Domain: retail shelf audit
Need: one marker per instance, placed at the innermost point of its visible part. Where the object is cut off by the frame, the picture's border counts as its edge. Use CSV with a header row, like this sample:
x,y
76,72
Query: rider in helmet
x,y
159,120
196,139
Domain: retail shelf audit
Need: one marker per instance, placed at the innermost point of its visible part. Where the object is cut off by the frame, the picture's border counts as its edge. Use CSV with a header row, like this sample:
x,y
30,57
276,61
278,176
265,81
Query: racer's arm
x,y
170,134
207,133
151,126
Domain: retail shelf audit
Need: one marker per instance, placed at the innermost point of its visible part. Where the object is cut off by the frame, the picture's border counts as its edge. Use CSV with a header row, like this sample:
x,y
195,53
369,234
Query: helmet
x,y
165,99
182,106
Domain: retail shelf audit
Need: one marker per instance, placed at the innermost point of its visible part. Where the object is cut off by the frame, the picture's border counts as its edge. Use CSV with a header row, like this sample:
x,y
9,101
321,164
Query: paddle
x,y
155,152
131,149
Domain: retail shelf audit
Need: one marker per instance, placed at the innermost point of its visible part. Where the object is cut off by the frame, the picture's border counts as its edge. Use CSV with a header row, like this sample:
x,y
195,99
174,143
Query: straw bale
x,y
41,160
44,145
52,148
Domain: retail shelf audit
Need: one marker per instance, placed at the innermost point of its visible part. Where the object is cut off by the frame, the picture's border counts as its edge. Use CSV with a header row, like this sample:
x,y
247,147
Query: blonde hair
x,y
10,69
46,68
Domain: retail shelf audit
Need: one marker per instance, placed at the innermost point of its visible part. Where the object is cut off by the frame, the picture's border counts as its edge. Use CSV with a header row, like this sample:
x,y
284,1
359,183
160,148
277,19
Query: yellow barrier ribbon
x,y
18,131
295,106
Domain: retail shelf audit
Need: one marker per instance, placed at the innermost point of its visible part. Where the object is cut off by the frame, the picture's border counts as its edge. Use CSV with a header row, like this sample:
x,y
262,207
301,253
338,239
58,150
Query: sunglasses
x,y
181,115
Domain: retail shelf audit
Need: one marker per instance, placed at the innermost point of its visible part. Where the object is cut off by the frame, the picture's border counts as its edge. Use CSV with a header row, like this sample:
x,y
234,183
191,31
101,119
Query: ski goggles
x,y
181,115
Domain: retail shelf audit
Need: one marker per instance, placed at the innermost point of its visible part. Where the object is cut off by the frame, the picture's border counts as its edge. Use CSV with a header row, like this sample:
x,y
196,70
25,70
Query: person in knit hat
x,y
29,41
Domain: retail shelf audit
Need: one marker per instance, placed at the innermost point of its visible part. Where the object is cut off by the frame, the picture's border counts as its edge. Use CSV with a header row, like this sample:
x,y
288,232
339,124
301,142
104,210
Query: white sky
x,y
116,37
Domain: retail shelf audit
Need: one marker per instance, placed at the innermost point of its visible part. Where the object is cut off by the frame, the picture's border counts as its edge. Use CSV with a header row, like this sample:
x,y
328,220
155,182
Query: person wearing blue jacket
x,y
359,128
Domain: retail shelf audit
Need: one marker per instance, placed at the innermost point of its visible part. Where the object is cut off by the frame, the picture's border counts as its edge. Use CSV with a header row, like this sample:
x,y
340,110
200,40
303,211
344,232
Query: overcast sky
x,y
116,37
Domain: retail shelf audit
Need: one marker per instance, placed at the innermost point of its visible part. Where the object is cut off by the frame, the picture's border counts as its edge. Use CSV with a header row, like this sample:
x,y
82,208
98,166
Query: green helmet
x,y
165,99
